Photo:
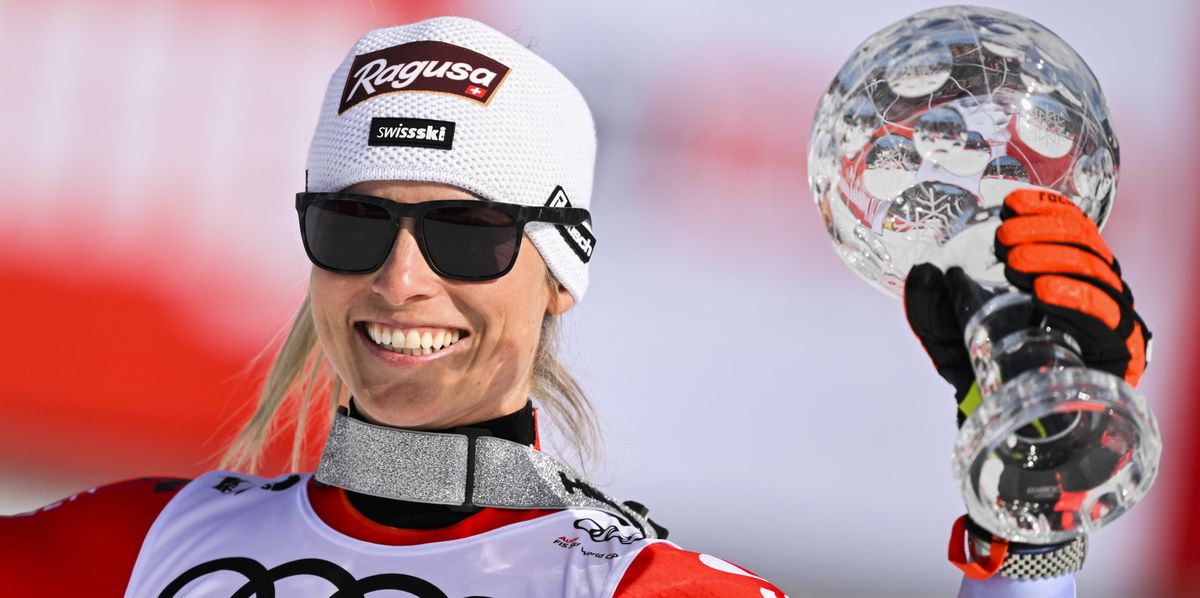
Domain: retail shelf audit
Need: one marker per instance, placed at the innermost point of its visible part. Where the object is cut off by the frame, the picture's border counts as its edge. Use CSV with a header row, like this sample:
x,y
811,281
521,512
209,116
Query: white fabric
x,y
1003,587
544,557
535,133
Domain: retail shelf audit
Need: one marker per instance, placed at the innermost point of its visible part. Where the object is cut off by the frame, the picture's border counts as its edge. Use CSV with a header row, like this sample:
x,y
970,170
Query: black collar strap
x,y
466,470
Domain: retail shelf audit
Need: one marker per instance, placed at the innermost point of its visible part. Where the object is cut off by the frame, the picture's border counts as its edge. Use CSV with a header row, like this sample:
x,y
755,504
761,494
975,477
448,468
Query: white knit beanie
x,y
451,100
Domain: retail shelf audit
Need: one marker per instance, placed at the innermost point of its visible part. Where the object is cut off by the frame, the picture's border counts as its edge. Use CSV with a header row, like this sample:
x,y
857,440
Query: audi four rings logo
x,y
260,581
423,66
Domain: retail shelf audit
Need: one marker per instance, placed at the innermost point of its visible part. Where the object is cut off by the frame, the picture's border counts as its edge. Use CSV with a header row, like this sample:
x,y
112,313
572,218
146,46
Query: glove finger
x,y
1024,263
1139,354
927,303
1110,335
1076,232
929,308
1031,202
1079,296
1099,347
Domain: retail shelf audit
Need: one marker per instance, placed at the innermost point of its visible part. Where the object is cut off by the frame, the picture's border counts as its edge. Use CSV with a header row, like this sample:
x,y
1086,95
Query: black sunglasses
x,y
461,239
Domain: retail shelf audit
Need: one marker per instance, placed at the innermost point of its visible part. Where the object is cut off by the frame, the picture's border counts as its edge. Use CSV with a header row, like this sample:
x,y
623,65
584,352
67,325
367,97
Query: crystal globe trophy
x,y
930,124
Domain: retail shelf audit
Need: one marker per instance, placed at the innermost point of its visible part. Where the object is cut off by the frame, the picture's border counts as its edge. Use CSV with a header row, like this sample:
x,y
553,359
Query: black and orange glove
x,y
1054,252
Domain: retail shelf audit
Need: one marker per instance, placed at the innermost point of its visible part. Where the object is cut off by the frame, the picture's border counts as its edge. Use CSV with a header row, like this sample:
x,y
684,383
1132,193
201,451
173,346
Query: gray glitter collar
x,y
460,470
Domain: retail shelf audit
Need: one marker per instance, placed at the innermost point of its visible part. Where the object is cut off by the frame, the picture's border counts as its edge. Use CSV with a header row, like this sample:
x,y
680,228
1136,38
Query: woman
x,y
443,149
445,215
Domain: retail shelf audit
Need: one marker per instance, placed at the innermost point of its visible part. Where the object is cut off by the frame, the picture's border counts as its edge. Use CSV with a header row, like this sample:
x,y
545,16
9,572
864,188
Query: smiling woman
x,y
375,348
446,218
487,372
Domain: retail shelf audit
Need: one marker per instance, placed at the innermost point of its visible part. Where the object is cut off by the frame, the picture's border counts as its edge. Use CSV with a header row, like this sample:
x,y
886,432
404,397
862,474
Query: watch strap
x,y
979,554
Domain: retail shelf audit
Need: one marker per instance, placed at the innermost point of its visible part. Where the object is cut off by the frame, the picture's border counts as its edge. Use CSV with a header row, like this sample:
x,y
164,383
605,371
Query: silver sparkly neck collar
x,y
465,471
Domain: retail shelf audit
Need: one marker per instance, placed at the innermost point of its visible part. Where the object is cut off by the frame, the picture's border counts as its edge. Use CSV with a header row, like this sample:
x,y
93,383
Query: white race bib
x,y
229,534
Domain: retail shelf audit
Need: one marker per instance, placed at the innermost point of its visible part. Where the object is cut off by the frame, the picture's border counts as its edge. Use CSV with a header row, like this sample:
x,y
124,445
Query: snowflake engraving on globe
x,y
934,121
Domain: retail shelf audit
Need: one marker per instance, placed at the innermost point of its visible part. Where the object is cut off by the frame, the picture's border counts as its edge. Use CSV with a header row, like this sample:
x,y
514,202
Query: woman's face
x,y
484,374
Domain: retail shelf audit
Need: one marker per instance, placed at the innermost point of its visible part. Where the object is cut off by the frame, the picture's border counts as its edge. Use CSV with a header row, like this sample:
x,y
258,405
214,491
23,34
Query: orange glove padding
x,y
1054,252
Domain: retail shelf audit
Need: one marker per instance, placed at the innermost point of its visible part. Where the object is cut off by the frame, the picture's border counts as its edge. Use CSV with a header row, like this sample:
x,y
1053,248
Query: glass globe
x,y
923,133
934,120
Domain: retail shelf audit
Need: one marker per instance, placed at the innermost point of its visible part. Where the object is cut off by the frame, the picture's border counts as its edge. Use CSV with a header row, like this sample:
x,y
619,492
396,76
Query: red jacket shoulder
x,y
94,535
663,569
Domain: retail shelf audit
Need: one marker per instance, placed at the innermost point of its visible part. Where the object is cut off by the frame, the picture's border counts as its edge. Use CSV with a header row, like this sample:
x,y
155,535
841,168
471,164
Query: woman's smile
x,y
410,344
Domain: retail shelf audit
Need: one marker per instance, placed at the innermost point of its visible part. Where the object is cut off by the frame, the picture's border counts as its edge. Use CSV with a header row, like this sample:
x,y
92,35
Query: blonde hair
x,y
300,375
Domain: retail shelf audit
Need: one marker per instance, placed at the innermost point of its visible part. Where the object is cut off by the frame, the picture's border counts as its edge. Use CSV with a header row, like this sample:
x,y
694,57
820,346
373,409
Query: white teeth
x,y
411,342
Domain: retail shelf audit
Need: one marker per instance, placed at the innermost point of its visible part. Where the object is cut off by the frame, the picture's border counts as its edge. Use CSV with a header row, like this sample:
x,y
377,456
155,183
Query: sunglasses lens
x,y
347,235
471,242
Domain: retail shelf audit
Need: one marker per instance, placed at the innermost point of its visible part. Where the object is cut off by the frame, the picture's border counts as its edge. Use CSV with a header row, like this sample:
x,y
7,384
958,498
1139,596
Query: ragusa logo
x,y
429,66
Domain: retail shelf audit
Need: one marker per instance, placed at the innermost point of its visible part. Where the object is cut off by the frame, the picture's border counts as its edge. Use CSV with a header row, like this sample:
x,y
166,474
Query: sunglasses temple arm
x,y
561,216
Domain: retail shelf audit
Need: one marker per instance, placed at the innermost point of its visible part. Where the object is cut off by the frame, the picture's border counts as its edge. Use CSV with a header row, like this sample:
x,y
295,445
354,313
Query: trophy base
x,y
1056,453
